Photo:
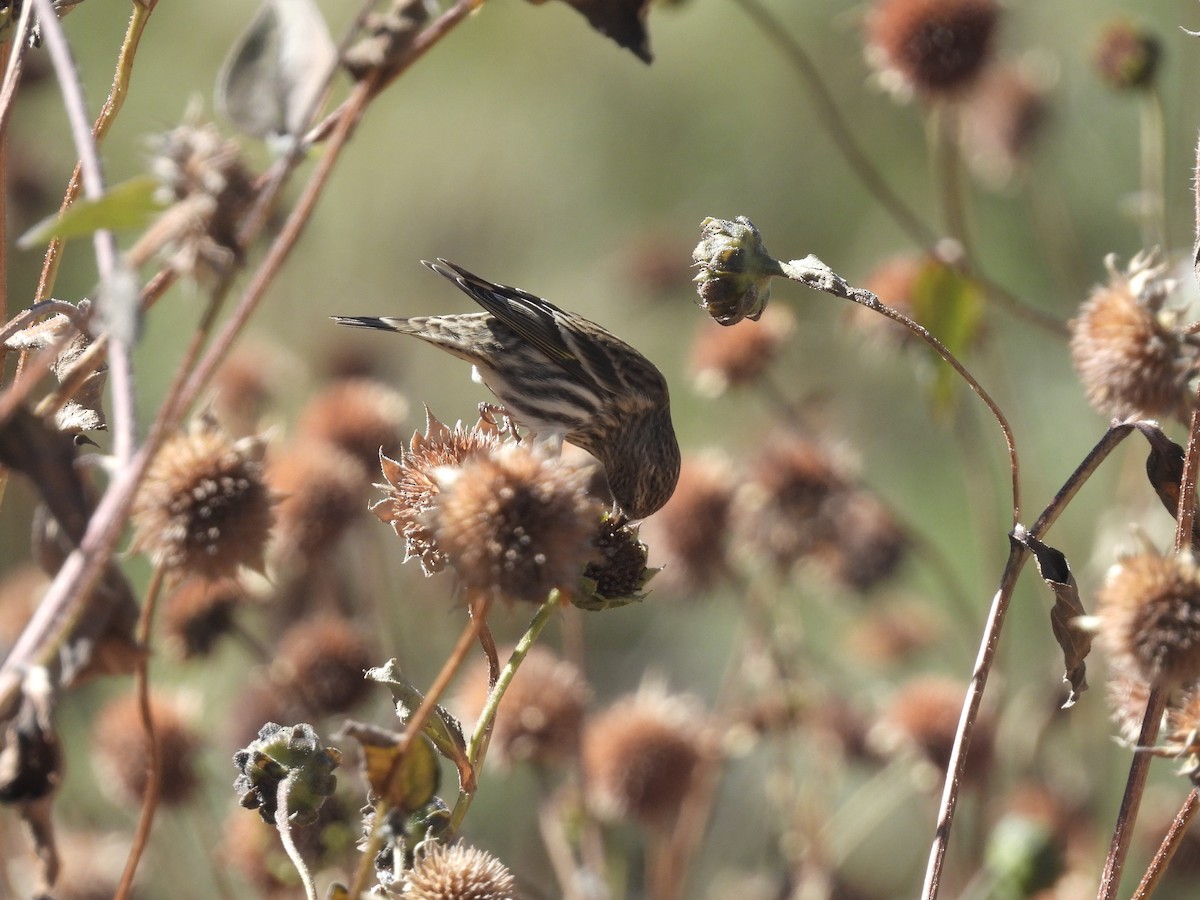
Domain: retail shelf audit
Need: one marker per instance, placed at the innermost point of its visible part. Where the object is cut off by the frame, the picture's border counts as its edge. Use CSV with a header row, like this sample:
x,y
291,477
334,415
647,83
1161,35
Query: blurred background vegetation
x,y
536,153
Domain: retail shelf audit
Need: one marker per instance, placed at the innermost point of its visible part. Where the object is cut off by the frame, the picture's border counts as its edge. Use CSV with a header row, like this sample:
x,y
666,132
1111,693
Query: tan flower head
x,y
922,718
1127,348
541,714
322,490
724,358
198,613
1003,117
458,872
121,750
361,416
641,754
204,508
411,487
515,522
1149,618
930,47
321,663
1126,56
689,536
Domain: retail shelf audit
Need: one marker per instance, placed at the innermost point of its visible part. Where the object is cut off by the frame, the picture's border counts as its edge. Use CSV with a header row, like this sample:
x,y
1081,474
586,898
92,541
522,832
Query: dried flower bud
x,y
204,508
1126,56
932,48
1149,618
121,750
359,415
641,754
411,487
541,713
294,755
515,522
442,872
1127,348
734,282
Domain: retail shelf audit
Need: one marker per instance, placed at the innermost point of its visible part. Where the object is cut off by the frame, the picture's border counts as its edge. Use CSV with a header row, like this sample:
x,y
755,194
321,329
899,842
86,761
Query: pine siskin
x,y
561,376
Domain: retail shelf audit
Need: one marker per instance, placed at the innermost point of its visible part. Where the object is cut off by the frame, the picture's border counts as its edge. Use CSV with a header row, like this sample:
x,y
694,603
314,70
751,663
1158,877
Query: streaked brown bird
x,y
561,376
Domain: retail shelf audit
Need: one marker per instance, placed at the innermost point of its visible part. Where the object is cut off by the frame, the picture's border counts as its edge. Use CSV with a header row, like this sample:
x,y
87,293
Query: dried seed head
x,y
779,511
210,191
321,662
361,416
892,636
515,522
1126,56
922,718
458,872
411,486
247,383
294,754
199,613
321,490
1004,116
618,572
932,48
641,754
204,508
541,714
1127,693
121,750
1149,612
689,536
865,545
1126,348
724,358
894,282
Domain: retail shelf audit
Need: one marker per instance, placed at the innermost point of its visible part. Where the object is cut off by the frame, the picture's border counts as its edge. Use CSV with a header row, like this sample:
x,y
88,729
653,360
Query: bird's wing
x,y
536,321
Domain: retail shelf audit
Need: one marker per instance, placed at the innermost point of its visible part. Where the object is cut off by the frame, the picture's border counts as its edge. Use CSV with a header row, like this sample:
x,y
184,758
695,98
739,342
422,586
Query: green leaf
x,y
951,306
127,206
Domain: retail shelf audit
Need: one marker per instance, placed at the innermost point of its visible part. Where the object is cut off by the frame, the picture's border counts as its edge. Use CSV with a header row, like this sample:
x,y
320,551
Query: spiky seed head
x,y
932,48
541,715
410,485
641,755
1004,115
362,416
322,490
922,718
198,613
724,358
1149,617
320,664
458,872
689,537
618,573
1127,347
515,523
205,508
121,751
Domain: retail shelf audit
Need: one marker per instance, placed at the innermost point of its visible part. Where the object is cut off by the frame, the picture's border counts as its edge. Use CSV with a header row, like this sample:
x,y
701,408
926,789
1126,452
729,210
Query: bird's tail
x,y
383,323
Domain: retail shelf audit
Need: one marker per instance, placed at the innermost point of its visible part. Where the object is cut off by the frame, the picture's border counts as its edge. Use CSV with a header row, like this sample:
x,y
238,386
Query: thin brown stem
x,y
1170,843
141,676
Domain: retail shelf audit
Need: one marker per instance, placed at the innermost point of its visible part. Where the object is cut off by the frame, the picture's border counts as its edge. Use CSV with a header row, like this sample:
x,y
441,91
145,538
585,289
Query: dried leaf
x,y
1075,642
1164,468
442,728
622,20
276,70
386,38
406,783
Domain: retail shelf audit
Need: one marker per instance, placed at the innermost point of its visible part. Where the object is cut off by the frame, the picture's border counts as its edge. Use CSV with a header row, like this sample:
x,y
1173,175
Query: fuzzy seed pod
x,y
120,746
932,48
458,872
359,415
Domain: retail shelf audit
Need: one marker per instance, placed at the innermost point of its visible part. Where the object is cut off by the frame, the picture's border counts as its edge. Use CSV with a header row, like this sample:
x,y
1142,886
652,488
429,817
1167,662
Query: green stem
x,y
477,745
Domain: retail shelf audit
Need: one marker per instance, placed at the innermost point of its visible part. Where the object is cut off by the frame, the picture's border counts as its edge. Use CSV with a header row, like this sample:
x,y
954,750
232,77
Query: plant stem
x,y
1170,843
